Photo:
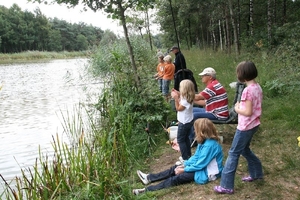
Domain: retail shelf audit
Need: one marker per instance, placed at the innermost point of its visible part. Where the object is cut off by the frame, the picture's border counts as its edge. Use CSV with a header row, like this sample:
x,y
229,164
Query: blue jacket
x,y
204,154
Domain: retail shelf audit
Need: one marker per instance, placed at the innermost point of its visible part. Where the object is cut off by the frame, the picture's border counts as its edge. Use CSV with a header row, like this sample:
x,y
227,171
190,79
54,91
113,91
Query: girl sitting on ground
x,y
204,166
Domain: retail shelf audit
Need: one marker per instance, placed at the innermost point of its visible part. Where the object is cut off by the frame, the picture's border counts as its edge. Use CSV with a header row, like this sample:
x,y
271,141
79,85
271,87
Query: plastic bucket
x,y
173,132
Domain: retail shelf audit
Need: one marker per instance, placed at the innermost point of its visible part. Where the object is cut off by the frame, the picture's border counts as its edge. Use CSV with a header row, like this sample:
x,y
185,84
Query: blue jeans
x,y
199,113
240,146
170,179
183,139
160,84
165,86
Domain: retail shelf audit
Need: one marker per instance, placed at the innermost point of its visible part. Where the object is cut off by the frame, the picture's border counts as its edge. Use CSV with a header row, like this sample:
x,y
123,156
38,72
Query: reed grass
x,y
34,56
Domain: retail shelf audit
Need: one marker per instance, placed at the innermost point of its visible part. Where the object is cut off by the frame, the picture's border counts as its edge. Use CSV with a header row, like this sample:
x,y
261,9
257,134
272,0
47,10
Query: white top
x,y
186,115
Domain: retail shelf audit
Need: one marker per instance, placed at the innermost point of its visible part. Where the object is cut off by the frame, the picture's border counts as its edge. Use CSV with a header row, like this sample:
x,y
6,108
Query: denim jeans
x,y
165,86
170,179
199,113
160,84
240,146
183,139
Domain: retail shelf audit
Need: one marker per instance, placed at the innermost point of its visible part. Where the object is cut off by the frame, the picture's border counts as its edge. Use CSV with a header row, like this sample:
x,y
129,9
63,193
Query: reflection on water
x,y
31,101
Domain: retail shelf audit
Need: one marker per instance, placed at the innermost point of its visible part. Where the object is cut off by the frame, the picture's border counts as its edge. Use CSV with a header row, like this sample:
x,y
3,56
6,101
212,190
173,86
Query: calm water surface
x,y
31,101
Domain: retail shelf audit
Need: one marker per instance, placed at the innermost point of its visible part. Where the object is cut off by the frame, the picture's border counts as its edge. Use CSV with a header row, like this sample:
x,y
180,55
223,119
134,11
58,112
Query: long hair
x,y
187,90
204,129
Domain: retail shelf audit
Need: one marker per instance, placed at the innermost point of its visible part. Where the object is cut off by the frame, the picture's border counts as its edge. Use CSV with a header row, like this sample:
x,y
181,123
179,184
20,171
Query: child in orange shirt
x,y
160,71
168,75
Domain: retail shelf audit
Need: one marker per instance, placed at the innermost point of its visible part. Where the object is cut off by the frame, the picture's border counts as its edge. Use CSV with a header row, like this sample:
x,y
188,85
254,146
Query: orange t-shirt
x,y
169,71
160,69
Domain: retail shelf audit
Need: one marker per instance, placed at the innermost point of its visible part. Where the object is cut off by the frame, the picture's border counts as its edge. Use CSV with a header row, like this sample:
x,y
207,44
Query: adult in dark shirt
x,y
179,61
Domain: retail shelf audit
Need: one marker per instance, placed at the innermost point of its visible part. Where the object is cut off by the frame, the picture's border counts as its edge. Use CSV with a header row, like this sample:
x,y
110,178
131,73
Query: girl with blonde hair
x,y
184,107
204,166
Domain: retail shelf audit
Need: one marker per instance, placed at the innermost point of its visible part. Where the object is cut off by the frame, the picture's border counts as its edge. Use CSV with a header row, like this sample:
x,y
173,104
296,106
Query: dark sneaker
x,y
219,189
250,179
138,191
143,177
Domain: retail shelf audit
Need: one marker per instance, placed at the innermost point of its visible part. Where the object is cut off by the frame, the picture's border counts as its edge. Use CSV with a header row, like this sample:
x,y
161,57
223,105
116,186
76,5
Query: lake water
x,y
33,99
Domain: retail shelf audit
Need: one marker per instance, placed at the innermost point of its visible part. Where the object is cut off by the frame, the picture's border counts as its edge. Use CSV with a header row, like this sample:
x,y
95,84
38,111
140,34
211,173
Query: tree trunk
x,y
236,42
225,34
269,23
130,49
238,23
228,31
220,35
284,12
148,30
190,34
274,13
203,40
251,17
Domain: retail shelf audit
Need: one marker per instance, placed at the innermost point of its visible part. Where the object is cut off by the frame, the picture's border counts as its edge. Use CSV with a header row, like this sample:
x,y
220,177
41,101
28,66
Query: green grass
x,y
275,143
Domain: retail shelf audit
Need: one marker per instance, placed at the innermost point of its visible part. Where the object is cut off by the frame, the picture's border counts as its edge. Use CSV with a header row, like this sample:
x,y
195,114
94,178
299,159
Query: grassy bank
x,y
125,133
275,143
33,56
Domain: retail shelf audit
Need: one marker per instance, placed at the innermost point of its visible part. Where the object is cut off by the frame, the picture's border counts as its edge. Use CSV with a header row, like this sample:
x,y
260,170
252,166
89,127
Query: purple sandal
x,y
249,179
219,189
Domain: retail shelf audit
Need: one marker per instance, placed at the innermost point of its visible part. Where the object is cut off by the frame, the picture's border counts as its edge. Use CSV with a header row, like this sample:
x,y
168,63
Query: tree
x,y
54,43
43,27
234,27
82,43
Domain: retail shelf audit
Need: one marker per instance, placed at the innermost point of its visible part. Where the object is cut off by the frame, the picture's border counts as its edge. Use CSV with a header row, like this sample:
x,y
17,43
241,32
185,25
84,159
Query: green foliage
x,y
285,79
23,31
146,105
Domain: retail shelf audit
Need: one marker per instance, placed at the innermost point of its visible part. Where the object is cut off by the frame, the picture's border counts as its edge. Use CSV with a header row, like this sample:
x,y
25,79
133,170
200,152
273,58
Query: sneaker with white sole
x,y
143,177
138,191
180,161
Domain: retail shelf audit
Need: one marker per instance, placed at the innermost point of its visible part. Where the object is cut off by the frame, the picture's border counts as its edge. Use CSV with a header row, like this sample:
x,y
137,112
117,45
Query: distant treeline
x,y
27,31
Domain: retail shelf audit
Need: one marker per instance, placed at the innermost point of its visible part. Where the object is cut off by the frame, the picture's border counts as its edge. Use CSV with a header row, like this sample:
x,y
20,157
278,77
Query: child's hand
x,y
179,169
237,105
174,94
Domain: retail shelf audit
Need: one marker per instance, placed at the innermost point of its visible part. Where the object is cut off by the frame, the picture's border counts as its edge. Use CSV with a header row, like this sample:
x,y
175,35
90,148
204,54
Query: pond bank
x,y
34,56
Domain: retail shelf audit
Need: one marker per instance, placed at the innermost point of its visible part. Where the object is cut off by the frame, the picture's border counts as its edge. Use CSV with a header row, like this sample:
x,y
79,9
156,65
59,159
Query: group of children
x,y
206,164
165,73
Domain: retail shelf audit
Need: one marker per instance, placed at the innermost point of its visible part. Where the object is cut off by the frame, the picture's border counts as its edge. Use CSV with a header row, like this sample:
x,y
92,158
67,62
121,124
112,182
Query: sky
x,y
71,15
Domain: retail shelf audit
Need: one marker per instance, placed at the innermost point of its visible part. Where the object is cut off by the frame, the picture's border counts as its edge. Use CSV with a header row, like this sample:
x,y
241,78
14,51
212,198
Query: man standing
x,y
179,61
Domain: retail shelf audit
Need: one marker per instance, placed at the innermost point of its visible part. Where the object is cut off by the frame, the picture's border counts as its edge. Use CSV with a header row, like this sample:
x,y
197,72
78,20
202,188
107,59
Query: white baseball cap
x,y
208,71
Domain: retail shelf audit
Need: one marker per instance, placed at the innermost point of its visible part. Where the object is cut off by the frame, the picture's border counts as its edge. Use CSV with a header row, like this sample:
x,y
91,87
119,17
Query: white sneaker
x,y
143,177
181,159
178,163
138,191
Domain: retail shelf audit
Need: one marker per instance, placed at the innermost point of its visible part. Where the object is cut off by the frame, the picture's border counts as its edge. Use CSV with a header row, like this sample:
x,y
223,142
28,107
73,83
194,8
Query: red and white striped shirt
x,y
216,100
